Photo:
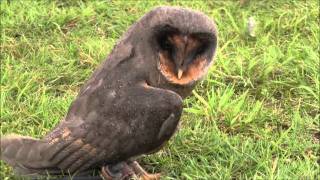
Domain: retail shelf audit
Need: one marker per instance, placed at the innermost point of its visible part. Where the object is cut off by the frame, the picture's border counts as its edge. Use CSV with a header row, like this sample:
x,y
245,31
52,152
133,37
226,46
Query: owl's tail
x,y
25,154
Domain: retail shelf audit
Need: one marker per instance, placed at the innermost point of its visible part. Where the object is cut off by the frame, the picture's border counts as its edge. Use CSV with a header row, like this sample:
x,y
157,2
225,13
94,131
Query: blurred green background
x,y
255,116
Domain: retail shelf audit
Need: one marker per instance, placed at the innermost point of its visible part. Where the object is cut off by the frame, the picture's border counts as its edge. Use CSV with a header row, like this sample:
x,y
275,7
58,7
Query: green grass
x,y
255,116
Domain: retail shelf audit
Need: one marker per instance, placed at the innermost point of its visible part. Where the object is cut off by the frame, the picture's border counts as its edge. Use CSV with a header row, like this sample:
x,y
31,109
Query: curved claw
x,y
116,172
104,174
123,171
150,176
142,174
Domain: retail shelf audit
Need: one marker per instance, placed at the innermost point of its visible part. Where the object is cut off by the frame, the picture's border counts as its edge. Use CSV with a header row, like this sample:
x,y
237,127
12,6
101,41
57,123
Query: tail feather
x,y
24,154
58,155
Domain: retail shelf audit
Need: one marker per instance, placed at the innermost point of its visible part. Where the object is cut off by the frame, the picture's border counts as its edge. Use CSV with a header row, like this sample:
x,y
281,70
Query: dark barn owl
x,y
132,103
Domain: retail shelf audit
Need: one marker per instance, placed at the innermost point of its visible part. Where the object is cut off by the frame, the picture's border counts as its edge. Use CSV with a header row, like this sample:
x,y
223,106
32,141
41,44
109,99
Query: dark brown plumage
x,y
132,103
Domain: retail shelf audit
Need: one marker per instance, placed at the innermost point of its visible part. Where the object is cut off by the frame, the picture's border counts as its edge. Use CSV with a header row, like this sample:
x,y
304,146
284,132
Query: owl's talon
x,y
150,176
142,174
104,174
119,171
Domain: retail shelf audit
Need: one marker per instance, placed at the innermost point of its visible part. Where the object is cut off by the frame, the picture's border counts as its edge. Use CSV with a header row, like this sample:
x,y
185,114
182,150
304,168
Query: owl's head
x,y
184,42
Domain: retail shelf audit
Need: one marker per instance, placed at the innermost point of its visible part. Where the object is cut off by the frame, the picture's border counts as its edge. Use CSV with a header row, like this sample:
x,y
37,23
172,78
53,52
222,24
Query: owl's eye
x,y
162,35
202,49
167,45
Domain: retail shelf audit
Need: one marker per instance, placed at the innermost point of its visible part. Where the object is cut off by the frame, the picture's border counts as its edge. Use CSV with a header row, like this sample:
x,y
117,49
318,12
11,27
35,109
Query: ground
x,y
255,116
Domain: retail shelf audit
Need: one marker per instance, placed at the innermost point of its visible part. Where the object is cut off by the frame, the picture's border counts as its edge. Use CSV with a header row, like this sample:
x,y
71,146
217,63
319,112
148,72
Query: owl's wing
x,y
139,122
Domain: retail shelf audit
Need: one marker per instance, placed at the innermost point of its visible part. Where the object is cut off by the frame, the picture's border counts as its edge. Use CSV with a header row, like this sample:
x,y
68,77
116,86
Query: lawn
x,y
255,116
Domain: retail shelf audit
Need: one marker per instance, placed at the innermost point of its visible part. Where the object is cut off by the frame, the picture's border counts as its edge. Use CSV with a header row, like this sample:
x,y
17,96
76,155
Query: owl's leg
x,y
120,171
141,173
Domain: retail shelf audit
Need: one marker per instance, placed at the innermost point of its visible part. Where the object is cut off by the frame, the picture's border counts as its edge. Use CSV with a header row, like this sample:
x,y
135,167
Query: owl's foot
x,y
141,173
120,171
124,171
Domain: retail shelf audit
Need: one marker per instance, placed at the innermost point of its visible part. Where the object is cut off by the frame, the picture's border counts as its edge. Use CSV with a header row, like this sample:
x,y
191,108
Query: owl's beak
x,y
180,72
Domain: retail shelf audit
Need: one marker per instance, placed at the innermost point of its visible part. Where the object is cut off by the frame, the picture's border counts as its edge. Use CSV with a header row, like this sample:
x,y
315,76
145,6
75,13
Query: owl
x,y
132,103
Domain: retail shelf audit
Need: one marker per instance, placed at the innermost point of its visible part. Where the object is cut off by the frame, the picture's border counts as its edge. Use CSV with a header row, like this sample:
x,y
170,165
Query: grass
x,y
255,116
